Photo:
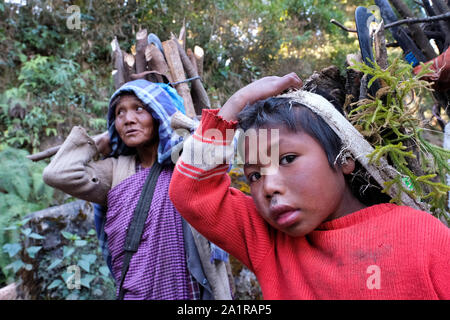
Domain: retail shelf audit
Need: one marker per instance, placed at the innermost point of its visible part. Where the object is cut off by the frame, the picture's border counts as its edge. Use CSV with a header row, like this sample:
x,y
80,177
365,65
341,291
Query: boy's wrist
x,y
232,107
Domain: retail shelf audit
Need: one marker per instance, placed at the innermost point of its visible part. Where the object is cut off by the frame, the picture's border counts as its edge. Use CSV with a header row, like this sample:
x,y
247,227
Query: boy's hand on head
x,y
258,90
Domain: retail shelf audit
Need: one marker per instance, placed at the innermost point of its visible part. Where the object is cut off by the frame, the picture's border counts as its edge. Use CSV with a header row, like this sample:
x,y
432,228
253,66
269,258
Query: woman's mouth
x,y
284,216
131,132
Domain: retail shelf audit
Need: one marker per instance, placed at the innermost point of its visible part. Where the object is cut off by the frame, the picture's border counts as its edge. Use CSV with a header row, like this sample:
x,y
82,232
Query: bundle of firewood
x,y
166,62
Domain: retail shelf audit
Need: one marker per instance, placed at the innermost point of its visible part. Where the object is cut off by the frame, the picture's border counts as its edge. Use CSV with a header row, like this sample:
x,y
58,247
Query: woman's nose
x,y
130,117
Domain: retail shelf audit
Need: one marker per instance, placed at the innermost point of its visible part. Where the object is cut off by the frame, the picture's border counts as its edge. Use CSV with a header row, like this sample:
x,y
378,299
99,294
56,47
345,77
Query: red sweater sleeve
x,y
200,190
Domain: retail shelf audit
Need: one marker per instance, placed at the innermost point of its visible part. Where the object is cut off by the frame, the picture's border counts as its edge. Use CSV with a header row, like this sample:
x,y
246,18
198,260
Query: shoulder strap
x,y
136,227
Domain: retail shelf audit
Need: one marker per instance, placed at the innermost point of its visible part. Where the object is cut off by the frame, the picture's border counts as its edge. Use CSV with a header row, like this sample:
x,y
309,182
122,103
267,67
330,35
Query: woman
x,y
172,260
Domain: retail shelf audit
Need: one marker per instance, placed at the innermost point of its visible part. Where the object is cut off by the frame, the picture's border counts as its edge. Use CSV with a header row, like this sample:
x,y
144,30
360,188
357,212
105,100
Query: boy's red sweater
x,y
381,252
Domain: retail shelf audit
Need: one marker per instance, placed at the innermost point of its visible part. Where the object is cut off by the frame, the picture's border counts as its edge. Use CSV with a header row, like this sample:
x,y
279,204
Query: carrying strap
x,y
136,227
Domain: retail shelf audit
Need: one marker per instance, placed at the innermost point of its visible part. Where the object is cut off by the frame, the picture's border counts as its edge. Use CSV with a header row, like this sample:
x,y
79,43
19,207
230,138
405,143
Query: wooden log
x,y
197,85
130,65
155,61
141,45
182,35
53,150
9,292
177,71
199,56
119,75
380,47
191,56
352,81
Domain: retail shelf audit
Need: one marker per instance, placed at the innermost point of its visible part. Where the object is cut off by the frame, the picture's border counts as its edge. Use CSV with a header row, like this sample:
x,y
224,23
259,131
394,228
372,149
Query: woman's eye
x,y
288,159
140,108
254,176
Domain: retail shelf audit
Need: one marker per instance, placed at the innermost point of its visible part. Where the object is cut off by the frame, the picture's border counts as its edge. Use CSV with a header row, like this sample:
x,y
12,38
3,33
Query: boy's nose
x,y
273,184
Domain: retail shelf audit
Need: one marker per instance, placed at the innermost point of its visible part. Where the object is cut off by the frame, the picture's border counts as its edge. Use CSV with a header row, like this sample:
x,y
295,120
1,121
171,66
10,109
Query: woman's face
x,y
134,124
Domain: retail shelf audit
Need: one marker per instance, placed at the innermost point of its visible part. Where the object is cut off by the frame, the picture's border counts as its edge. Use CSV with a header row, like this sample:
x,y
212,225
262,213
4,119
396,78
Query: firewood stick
x,y
182,35
177,71
53,150
191,56
380,47
141,44
130,65
197,85
155,60
119,76
178,120
199,53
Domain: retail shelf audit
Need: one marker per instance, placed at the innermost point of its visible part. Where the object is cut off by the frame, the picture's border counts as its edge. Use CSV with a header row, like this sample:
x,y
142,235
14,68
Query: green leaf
x,y
36,236
104,271
33,250
85,265
89,257
68,251
16,265
80,243
54,284
69,236
12,249
55,262
86,280
26,231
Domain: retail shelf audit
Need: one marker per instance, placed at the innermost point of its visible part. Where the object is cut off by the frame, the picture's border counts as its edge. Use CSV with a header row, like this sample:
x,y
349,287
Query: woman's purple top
x,y
158,269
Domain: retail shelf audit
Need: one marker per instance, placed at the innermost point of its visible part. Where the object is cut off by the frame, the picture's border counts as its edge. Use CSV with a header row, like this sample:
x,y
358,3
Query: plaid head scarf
x,y
161,101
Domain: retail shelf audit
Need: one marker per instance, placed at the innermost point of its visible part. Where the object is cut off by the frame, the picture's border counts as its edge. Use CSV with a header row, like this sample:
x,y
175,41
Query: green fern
x,y
391,123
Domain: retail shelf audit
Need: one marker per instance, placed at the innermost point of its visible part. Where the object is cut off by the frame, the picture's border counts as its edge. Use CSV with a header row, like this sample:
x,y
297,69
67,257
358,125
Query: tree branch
x,y
418,20
399,22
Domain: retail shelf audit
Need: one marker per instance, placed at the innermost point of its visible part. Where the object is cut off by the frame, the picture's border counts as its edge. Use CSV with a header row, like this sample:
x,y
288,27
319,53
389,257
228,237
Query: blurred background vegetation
x,y
52,77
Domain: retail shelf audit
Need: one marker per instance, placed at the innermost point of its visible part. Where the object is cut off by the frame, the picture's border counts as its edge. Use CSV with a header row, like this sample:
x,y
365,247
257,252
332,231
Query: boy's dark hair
x,y
283,112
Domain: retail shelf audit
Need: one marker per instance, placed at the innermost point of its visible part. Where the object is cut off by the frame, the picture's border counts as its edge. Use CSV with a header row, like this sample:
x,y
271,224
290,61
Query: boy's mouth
x,y
284,215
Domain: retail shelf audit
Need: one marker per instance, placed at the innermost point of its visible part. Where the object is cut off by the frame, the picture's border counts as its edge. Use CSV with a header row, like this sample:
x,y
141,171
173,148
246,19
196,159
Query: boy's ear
x,y
348,166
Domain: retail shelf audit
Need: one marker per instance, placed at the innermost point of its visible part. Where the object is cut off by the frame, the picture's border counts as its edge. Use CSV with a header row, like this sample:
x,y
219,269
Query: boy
x,y
304,231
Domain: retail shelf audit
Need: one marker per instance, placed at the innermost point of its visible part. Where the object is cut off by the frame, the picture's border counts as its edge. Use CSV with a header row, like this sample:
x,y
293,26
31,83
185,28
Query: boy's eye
x,y
254,176
287,159
140,108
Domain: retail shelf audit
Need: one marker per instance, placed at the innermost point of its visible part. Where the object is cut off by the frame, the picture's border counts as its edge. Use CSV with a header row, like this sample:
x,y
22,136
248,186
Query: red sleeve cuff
x,y
210,120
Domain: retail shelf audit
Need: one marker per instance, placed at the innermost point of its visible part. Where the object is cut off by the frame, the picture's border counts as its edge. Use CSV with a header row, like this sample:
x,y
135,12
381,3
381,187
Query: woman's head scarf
x,y
161,101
